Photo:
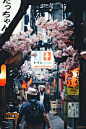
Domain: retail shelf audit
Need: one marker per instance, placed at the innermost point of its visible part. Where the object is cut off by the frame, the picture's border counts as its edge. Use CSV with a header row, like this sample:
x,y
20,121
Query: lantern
x,y
54,82
72,77
48,89
30,81
24,85
3,75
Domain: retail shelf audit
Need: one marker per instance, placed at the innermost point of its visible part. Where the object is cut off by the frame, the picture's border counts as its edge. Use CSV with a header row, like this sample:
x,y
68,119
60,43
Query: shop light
x,y
24,85
54,82
30,81
3,75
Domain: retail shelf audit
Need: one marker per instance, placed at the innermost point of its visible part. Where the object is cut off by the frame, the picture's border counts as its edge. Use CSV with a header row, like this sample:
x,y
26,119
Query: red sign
x,y
47,56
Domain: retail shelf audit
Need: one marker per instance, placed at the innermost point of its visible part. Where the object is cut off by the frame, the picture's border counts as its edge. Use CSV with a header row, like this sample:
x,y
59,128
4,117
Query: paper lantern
x,y
48,89
3,75
72,77
54,82
24,85
30,81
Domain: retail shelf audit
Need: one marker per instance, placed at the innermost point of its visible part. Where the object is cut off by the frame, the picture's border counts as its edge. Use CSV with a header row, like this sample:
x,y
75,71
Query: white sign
x,y
44,59
73,109
8,9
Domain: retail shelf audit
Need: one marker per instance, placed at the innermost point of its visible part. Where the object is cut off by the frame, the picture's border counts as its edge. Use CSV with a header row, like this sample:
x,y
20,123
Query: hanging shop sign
x,y
3,75
73,109
72,77
43,59
73,90
7,14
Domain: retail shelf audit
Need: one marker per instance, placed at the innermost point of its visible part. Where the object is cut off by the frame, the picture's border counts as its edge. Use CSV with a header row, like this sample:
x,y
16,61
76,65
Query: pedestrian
x,y
43,98
34,112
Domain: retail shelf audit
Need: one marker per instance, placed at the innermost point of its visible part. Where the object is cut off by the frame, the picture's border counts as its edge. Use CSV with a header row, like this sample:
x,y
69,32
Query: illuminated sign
x,y
73,90
44,59
72,77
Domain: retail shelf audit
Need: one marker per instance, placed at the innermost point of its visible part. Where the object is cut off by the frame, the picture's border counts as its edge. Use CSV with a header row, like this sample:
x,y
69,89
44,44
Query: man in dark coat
x,y
43,98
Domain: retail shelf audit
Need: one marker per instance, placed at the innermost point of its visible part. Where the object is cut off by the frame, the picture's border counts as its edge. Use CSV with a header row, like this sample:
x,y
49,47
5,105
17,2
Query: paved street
x,y
56,123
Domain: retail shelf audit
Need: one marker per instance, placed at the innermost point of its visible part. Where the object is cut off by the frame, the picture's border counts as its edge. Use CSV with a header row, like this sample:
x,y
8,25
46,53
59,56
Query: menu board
x,y
73,109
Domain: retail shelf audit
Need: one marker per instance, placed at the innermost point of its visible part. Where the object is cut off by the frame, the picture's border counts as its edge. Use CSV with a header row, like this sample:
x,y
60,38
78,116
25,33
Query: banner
x,y
8,10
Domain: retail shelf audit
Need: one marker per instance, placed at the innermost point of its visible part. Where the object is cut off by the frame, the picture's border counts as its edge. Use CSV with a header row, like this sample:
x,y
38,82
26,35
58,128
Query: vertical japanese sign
x,y
8,9
44,59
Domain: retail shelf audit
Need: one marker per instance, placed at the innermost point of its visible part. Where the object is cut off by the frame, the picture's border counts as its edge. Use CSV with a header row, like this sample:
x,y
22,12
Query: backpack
x,y
34,114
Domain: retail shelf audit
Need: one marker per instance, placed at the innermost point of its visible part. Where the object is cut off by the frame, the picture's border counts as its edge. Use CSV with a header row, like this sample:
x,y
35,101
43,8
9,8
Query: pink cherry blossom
x,y
27,70
58,53
58,31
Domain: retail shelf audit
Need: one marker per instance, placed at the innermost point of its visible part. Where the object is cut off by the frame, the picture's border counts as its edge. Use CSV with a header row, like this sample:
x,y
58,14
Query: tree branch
x,y
13,73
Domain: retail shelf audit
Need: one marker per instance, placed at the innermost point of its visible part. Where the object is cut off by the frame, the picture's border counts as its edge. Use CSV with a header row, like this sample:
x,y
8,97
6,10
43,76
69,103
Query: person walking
x,y
43,98
34,112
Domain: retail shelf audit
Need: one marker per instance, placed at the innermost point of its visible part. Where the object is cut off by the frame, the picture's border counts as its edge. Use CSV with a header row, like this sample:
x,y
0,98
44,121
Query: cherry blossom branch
x,y
61,33
26,70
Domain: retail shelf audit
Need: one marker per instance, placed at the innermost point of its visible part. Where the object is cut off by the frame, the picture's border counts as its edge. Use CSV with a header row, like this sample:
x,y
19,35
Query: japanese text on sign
x,y
6,13
44,59
73,109
73,90
72,77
